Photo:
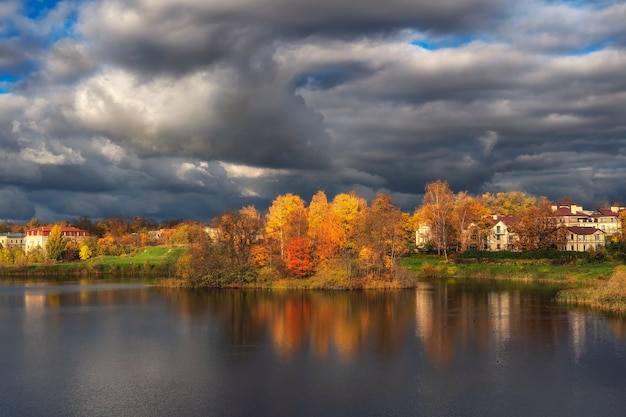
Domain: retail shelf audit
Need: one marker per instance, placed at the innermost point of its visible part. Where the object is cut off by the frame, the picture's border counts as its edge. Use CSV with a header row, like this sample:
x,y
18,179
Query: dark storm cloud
x,y
173,109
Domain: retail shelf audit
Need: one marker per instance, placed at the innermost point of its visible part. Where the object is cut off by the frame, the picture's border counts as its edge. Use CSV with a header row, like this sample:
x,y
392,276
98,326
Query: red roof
x,y
45,230
508,220
607,212
565,211
578,230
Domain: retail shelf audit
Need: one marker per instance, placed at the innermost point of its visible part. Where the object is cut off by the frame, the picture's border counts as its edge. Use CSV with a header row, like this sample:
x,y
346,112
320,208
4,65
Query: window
x,y
498,229
498,237
572,247
498,246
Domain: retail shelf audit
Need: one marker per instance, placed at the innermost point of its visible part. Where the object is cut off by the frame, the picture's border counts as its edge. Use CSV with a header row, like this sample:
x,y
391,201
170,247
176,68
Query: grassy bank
x,y
153,261
599,285
600,293
578,271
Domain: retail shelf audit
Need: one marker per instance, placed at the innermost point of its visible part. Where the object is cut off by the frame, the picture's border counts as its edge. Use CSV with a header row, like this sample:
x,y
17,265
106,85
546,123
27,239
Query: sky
x,y
183,109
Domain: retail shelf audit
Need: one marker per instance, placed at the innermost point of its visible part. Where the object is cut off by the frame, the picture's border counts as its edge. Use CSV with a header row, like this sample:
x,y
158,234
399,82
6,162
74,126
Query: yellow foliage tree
x,y
287,218
85,252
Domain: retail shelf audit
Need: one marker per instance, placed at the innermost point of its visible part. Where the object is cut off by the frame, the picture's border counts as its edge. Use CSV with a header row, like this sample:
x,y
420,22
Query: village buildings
x,y
586,229
39,236
11,240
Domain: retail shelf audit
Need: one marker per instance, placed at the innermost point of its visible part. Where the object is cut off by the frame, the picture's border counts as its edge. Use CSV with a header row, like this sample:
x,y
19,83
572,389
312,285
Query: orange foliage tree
x,y
298,257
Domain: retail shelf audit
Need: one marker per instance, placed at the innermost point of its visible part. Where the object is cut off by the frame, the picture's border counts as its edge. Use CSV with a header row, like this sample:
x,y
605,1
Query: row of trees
x,y
345,235
298,239
461,221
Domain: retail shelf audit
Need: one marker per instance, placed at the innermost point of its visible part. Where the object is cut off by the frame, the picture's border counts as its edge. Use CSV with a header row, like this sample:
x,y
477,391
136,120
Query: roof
x,y
16,235
64,229
607,212
565,211
508,220
578,230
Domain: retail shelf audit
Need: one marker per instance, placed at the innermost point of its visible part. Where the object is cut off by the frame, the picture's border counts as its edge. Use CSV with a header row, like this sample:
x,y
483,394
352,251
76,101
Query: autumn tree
x,y
116,226
319,227
347,211
384,234
468,216
298,257
538,228
437,210
508,203
239,231
56,243
286,220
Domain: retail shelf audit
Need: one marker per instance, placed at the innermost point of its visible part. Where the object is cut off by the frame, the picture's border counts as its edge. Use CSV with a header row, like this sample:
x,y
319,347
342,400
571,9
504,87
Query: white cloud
x,y
43,156
243,171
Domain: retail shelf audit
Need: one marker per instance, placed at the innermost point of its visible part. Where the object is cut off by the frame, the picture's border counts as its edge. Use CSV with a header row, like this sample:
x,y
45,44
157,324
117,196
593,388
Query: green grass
x,y
579,271
152,260
152,255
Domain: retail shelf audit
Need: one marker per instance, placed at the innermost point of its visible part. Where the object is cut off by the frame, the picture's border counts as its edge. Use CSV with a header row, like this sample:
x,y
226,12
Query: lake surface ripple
x,y
447,348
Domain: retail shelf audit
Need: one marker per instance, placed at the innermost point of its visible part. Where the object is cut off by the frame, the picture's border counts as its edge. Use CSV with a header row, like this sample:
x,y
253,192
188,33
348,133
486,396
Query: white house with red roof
x,y
38,237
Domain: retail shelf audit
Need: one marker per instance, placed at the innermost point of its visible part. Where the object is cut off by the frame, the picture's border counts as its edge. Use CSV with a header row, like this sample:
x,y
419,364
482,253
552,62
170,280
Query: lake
x,y
455,348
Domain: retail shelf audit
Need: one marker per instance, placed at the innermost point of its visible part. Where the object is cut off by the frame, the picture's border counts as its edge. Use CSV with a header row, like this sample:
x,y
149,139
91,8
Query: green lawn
x,y
151,260
537,269
152,255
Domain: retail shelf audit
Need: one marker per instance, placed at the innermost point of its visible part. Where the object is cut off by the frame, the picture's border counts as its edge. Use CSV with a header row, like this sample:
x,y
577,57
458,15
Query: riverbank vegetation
x,y
343,243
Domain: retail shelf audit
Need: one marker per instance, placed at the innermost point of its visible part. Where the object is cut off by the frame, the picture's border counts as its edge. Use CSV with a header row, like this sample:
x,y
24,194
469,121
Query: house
x,y
605,219
581,239
11,240
38,237
500,236
422,235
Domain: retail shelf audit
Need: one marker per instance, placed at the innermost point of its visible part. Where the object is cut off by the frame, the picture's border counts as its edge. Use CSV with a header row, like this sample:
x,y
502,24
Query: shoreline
x,y
600,286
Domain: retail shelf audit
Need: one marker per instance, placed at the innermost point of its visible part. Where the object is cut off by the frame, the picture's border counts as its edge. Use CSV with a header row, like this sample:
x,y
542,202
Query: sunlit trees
x,y
320,225
286,220
298,257
56,243
384,236
468,217
85,252
508,203
239,231
538,228
437,210
347,211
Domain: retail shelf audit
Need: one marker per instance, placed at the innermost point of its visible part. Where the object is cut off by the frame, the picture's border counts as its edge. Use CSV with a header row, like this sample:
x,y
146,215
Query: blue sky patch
x,y
35,9
432,44
6,80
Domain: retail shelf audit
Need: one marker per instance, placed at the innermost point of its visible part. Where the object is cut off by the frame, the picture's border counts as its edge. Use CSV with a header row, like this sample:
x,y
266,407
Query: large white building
x,y
38,237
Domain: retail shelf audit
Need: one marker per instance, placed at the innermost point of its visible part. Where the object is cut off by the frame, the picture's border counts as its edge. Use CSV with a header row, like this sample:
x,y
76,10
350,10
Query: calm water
x,y
489,349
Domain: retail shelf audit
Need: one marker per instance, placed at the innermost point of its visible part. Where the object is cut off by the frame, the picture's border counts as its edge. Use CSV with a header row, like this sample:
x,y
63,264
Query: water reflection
x,y
337,324
447,317
446,348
